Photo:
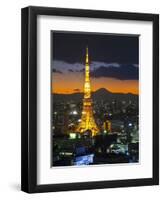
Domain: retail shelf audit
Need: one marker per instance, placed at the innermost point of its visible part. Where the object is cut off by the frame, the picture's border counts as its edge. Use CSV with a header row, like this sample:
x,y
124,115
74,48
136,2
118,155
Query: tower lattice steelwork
x,y
87,119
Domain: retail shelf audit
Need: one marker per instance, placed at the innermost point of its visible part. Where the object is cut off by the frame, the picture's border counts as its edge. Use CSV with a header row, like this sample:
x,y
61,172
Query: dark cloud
x,y
57,71
123,72
63,66
76,70
70,70
81,70
99,69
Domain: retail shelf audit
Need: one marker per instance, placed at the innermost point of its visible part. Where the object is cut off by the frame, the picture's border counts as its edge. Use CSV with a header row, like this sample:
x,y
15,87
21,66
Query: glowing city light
x,y
84,160
74,112
72,135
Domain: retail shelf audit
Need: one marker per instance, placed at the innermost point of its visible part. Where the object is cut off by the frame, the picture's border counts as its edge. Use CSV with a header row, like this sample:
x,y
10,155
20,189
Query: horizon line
x,y
96,91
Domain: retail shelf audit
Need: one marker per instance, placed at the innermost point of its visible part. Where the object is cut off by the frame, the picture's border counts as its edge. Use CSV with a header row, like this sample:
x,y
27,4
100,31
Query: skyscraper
x,y
87,119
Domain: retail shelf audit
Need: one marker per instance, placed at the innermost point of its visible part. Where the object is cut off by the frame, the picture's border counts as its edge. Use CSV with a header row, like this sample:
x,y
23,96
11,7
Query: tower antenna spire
x,y
87,56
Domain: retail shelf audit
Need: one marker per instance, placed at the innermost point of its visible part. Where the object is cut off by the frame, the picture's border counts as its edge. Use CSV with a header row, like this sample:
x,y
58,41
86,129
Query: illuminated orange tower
x,y
87,120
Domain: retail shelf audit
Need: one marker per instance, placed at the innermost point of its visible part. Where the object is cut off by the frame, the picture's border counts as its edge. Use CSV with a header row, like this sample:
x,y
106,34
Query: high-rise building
x,y
87,119
107,126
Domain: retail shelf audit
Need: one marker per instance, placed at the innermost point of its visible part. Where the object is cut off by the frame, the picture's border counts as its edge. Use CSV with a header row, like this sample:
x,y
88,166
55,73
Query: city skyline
x,y
88,127
112,66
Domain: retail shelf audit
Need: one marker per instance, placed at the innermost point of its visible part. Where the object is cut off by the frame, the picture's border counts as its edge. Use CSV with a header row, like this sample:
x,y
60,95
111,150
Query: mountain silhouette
x,y
101,94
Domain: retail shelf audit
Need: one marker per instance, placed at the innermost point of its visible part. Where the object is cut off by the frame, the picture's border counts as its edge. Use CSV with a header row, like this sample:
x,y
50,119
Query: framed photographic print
x,y
90,99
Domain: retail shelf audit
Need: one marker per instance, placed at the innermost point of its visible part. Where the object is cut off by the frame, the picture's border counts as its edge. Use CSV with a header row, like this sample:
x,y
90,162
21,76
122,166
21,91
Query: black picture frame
x,y
29,99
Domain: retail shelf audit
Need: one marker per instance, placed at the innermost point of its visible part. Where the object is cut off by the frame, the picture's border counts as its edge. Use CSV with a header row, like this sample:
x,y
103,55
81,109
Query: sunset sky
x,y
113,62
